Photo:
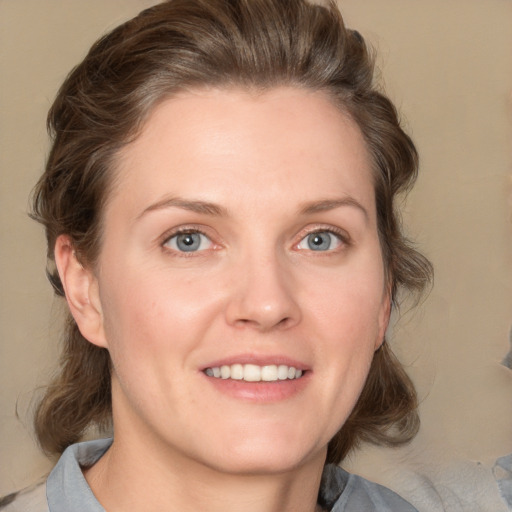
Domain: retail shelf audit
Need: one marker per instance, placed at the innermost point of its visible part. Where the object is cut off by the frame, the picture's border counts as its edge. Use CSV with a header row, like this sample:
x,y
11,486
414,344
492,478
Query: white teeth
x,y
269,373
282,372
237,371
254,373
225,372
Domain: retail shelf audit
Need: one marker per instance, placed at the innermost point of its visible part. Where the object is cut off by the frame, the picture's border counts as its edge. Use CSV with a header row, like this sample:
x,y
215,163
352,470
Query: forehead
x,y
231,142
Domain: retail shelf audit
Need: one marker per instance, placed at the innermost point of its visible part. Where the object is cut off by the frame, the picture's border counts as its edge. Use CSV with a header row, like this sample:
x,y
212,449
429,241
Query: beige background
x,y
448,66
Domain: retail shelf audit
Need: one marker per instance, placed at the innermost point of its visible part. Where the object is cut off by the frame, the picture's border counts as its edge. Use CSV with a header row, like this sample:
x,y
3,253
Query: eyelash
x,y
188,230
341,235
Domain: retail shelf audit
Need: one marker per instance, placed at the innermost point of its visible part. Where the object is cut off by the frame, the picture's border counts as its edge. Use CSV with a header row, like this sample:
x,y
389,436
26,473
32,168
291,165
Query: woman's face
x,y
240,240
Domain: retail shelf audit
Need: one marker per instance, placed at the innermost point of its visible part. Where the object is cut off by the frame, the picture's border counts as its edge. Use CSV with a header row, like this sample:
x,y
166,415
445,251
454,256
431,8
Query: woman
x,y
219,208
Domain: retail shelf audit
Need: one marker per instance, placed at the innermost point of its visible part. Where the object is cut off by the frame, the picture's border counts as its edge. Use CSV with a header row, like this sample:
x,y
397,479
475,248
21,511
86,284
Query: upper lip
x,y
257,359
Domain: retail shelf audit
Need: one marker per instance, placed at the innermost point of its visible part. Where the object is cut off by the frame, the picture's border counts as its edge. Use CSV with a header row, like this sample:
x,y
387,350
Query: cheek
x,y
153,325
346,318
147,311
351,299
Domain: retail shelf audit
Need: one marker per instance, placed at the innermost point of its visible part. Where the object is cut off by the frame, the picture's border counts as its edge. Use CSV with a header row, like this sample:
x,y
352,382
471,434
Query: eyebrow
x,y
215,210
331,204
196,206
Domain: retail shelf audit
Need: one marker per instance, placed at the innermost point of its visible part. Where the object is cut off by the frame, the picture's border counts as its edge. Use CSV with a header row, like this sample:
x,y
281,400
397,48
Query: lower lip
x,y
262,392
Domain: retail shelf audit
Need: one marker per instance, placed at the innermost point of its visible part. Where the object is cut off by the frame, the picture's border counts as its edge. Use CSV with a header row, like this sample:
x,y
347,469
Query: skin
x,y
256,174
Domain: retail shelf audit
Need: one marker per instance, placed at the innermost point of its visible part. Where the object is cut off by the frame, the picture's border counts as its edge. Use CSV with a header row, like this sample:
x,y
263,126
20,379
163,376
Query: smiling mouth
x,y
255,373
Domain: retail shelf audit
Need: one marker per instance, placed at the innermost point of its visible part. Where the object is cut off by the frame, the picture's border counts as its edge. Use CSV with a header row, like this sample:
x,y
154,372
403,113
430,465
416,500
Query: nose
x,y
263,296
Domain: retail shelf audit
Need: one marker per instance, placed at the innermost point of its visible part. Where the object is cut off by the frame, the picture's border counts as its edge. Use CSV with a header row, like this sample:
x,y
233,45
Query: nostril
x,y
264,325
284,322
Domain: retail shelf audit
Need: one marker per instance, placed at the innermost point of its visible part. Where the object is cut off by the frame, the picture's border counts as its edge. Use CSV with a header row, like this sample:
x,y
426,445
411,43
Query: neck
x,y
123,480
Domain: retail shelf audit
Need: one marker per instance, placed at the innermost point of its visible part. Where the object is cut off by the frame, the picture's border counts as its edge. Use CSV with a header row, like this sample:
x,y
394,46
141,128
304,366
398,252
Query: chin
x,y
253,457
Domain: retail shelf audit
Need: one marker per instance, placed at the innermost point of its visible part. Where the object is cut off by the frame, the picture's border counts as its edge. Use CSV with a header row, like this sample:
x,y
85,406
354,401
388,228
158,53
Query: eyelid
x,y
341,234
183,230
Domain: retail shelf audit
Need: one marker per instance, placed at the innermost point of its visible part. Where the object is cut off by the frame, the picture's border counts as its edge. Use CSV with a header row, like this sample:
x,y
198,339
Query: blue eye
x,y
320,241
189,242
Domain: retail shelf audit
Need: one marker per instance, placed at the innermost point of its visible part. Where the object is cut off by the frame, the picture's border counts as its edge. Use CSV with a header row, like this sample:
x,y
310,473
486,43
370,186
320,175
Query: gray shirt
x,y
66,489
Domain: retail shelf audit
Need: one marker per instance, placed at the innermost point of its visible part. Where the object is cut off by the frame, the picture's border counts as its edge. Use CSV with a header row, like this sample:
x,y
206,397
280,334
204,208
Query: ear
x,y
82,292
384,316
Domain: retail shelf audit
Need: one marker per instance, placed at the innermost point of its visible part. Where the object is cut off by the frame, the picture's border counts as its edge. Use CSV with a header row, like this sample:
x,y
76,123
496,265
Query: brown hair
x,y
182,44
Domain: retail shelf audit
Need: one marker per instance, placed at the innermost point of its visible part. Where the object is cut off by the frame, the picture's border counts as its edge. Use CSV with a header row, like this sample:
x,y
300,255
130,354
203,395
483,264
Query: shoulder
x,y
31,499
341,491
64,487
464,485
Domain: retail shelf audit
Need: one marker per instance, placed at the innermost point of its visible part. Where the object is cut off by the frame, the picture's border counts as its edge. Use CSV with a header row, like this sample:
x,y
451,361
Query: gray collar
x,y
66,487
